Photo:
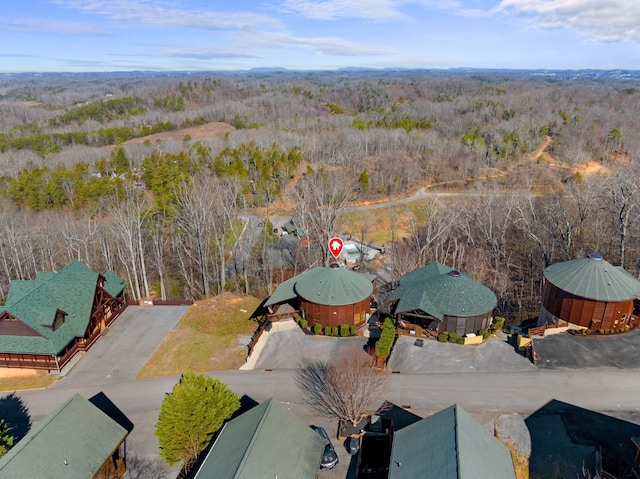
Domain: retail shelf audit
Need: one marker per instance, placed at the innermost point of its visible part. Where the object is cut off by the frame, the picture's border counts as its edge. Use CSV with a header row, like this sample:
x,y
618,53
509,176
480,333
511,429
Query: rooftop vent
x,y
595,257
455,273
334,265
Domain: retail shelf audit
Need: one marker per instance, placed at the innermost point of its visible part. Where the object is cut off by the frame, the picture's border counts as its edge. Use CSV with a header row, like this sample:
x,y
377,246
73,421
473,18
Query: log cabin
x,y
46,321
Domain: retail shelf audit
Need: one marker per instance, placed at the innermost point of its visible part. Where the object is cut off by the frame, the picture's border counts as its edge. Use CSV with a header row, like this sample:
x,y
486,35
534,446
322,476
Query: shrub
x,y
386,339
587,331
497,324
353,330
454,338
317,328
443,337
344,330
334,331
485,333
327,331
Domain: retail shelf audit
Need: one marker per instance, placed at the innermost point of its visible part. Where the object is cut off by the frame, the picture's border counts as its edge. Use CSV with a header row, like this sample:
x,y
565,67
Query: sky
x,y
196,35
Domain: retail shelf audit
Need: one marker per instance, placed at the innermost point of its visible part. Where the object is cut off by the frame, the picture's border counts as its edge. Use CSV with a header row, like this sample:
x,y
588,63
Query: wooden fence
x,y
540,330
158,302
256,336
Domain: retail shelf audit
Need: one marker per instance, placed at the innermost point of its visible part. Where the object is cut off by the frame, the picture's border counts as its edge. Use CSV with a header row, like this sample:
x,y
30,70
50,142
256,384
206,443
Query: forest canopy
x,y
154,176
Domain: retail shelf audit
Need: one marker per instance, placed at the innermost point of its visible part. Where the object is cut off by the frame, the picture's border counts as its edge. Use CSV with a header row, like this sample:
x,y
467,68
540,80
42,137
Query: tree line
x,y
165,214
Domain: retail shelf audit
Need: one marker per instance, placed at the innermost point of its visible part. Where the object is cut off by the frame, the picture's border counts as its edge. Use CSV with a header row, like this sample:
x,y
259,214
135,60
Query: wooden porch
x,y
406,328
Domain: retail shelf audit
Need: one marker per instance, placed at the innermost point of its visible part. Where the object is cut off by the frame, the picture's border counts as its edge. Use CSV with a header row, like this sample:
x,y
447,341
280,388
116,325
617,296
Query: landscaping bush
x,y
303,323
334,331
497,324
454,338
353,330
443,337
386,339
485,333
344,330
317,329
327,331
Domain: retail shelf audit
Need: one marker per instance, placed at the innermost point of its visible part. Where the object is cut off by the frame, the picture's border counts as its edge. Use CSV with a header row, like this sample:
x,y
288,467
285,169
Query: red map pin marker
x,y
335,246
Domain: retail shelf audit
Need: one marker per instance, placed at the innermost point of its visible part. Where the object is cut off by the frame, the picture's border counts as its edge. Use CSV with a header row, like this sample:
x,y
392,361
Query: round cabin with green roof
x,y
439,298
588,292
329,296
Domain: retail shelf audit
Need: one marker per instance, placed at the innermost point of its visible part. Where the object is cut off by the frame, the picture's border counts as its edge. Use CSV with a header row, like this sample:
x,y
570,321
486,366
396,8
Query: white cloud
x,y
334,9
602,20
202,53
162,14
270,41
339,47
34,25
379,10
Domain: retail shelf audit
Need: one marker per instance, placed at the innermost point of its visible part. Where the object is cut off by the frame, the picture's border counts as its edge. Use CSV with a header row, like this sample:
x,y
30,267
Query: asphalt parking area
x,y
494,355
118,355
285,349
566,351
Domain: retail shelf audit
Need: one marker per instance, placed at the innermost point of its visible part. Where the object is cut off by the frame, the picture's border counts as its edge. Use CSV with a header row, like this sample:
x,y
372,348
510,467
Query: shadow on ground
x,y
567,438
16,415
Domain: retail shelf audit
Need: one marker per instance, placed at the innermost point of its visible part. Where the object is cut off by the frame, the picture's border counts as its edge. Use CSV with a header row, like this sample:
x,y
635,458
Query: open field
x,y
211,336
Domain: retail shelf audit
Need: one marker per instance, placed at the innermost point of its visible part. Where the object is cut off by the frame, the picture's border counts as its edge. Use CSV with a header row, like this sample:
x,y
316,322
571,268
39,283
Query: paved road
x,y
485,395
485,392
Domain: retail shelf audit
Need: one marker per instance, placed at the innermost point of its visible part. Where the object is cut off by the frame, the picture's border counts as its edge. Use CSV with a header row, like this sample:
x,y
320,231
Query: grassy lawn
x,y
38,381
212,335
378,224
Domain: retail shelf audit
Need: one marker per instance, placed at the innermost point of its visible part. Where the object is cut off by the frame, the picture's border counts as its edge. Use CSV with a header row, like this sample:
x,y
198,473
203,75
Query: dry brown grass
x,y
37,381
379,223
210,336
520,464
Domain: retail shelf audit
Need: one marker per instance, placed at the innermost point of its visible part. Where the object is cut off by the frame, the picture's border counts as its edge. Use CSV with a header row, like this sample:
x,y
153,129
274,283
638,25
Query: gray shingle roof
x,y
77,432
441,291
449,445
592,277
266,441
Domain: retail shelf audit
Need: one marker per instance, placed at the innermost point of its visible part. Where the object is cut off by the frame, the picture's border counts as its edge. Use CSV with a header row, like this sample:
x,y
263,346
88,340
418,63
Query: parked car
x,y
353,444
329,457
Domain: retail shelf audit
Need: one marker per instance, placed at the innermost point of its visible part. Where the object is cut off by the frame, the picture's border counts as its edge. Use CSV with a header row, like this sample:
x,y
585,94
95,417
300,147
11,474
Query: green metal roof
x,y
77,432
334,286
592,277
449,445
35,302
441,291
266,441
322,285
284,292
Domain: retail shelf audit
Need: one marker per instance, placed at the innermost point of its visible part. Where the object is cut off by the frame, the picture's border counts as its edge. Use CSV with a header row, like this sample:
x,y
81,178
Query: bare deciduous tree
x,y
346,387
